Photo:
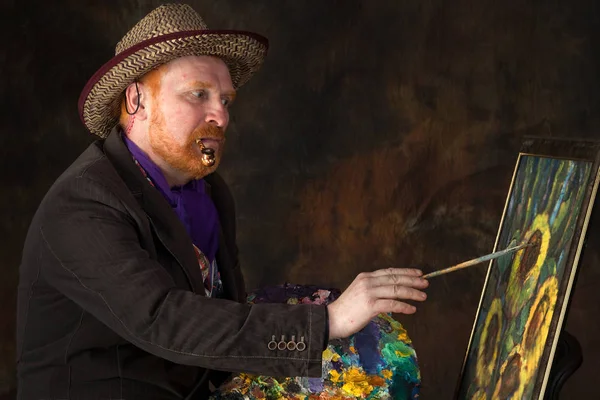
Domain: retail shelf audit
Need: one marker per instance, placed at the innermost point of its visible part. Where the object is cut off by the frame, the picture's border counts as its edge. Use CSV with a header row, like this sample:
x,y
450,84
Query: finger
x,y
397,292
403,280
397,271
393,306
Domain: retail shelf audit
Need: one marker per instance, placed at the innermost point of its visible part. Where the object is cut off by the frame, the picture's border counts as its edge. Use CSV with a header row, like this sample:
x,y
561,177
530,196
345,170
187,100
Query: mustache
x,y
208,131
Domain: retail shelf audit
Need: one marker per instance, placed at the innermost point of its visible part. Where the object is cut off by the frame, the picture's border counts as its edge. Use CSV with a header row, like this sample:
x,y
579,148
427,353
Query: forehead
x,y
207,69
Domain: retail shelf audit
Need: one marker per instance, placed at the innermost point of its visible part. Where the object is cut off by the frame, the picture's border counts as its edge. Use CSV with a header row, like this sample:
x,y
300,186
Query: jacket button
x,y
272,344
282,345
291,345
300,346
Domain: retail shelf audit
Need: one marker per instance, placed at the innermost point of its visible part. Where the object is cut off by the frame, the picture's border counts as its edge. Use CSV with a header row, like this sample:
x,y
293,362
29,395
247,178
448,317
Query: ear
x,y
134,96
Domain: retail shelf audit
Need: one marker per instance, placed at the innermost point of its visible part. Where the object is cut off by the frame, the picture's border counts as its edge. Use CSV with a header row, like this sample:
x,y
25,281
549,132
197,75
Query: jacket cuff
x,y
319,326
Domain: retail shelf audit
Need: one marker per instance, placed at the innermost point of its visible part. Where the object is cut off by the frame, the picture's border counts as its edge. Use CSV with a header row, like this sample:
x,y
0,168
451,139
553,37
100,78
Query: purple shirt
x,y
191,203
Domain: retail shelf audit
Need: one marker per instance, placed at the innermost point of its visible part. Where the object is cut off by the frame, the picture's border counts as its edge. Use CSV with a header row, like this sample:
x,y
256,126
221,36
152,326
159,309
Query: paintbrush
x,y
476,261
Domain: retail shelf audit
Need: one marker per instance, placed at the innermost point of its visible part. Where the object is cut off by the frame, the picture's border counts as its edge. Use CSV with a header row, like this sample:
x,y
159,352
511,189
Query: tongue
x,y
211,143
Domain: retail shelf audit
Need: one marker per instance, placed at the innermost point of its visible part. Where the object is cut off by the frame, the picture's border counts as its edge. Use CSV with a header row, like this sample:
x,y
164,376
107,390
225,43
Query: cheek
x,y
181,122
189,114
179,117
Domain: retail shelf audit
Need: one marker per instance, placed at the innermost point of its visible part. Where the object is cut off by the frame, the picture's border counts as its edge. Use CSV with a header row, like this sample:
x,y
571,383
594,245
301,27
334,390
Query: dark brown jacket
x,y
111,303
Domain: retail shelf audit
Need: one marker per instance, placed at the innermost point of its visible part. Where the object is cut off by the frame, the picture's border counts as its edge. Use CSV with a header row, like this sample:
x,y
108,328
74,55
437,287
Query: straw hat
x,y
168,32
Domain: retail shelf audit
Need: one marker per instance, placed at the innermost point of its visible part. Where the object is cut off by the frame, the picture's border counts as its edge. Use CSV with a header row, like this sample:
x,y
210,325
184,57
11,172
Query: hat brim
x,y
99,102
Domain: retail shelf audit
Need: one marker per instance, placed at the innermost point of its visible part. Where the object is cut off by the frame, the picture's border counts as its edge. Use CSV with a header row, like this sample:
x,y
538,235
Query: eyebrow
x,y
205,85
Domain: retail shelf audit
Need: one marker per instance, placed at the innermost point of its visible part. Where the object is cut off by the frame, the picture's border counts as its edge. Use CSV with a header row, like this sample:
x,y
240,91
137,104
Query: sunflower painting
x,y
522,299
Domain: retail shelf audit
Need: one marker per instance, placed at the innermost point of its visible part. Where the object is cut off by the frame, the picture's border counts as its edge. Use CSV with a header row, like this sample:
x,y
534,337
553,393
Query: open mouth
x,y
211,143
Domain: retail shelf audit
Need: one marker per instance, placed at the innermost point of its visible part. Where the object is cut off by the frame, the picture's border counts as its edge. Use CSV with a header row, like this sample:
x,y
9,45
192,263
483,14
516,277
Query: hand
x,y
372,293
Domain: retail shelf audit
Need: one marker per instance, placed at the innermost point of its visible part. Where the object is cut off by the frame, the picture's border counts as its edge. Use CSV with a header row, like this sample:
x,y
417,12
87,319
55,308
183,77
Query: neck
x,y
173,176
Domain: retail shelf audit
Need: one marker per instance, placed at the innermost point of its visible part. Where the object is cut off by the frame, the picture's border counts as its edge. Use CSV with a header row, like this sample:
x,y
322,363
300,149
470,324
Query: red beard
x,y
185,158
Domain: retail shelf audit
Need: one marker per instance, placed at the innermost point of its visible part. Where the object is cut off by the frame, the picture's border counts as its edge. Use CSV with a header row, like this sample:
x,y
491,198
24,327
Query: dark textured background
x,y
378,133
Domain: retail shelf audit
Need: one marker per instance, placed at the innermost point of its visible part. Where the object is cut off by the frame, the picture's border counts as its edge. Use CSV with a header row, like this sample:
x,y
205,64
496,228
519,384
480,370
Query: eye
x,y
227,101
199,94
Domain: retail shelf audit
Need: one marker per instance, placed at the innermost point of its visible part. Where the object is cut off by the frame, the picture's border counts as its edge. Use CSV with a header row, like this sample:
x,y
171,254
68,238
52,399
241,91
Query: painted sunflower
x,y
479,395
527,265
537,328
489,344
510,384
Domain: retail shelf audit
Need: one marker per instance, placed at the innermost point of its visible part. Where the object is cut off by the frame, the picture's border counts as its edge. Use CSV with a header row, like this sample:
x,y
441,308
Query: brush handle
x,y
476,261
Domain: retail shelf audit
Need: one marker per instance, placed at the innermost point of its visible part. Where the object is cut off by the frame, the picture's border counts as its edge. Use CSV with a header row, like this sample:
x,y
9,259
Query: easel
x,y
567,359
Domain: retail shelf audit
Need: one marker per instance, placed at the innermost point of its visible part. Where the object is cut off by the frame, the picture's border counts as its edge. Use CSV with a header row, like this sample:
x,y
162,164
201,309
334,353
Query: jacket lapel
x,y
223,258
163,219
225,269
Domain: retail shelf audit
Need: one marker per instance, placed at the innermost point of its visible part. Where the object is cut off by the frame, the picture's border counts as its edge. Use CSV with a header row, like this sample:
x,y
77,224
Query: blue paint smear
x,y
316,385
563,190
366,343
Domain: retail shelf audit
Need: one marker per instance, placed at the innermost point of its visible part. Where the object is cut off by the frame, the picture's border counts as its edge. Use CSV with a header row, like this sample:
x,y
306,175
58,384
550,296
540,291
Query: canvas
x,y
525,295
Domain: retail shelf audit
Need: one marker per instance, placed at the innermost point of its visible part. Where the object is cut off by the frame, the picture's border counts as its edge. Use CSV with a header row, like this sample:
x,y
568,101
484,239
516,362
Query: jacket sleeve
x,y
92,254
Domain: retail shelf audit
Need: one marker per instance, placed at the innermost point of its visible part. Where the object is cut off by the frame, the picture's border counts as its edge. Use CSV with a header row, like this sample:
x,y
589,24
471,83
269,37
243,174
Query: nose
x,y
218,116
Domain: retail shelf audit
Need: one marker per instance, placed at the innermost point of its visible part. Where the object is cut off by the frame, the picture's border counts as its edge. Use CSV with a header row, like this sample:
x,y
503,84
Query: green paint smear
x,y
379,394
349,359
390,349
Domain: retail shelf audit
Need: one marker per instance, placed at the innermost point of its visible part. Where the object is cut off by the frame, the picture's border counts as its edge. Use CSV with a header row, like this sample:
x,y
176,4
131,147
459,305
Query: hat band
x,y
148,42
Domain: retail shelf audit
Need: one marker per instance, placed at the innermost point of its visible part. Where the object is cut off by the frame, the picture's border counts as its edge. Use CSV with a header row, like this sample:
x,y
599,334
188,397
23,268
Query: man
x,y
130,285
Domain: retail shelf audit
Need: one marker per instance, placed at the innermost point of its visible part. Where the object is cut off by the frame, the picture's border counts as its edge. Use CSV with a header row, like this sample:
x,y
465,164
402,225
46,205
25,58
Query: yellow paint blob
x,y
334,376
357,389
401,353
387,374
329,355
403,337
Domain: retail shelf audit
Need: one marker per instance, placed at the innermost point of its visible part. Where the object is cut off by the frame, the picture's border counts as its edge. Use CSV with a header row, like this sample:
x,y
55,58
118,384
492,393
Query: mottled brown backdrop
x,y
379,133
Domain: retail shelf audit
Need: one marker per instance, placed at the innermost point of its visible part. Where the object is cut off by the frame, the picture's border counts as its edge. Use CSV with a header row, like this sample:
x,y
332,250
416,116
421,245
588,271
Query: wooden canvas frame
x,y
543,148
